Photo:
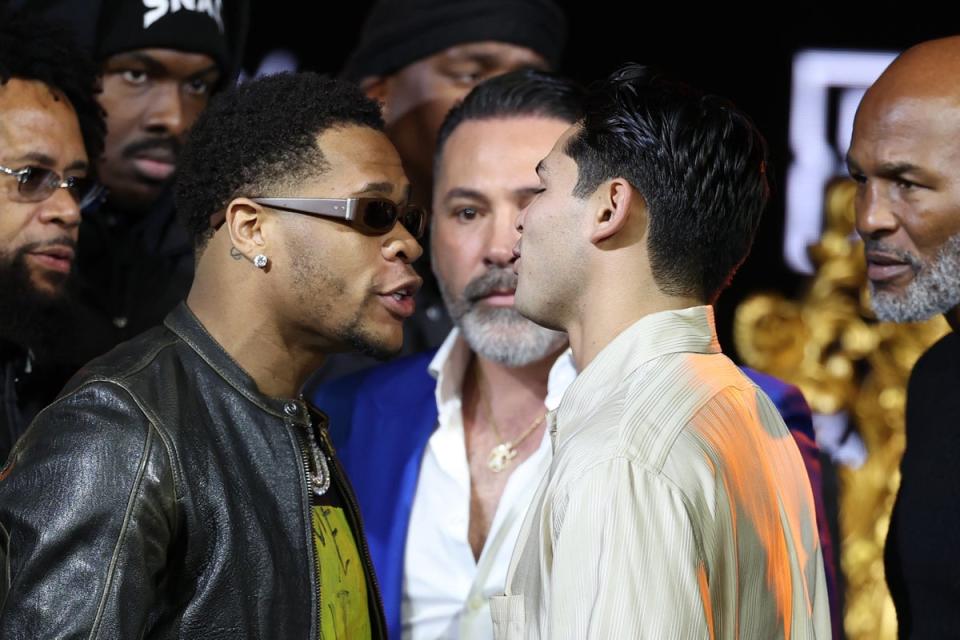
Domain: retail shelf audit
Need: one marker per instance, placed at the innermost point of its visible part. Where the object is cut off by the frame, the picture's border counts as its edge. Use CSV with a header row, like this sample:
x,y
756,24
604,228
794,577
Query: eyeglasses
x,y
374,216
36,184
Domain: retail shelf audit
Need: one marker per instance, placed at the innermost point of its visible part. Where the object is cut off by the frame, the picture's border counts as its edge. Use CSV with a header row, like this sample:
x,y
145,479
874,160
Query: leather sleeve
x,y
87,511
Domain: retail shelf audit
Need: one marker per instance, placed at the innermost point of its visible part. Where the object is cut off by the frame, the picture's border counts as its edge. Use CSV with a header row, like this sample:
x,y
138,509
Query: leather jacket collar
x,y
186,325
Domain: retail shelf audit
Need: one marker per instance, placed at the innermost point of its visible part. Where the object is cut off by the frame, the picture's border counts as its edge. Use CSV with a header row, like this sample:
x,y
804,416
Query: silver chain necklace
x,y
320,475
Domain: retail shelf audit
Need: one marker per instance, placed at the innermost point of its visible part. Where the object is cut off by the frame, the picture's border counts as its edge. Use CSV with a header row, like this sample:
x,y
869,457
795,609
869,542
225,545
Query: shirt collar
x,y
182,321
449,366
690,330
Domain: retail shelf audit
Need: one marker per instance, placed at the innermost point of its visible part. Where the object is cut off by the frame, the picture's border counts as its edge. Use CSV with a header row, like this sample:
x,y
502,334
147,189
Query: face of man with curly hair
x,y
354,289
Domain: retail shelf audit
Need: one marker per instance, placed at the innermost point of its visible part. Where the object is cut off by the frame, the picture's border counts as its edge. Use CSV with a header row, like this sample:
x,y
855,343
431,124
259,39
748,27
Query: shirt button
x,y
290,408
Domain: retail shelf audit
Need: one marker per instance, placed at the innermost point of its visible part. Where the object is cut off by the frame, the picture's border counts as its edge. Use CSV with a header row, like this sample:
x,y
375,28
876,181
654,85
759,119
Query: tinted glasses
x,y
374,216
36,184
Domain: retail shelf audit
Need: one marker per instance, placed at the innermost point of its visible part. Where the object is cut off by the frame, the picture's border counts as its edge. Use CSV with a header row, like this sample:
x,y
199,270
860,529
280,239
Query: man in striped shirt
x,y
676,505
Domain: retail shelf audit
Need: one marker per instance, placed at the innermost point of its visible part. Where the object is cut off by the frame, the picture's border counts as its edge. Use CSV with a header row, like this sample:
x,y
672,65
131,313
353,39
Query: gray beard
x,y
934,290
499,334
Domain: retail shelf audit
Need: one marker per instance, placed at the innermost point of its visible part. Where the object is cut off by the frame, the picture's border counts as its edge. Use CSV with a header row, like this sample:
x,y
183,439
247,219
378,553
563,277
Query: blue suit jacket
x,y
382,418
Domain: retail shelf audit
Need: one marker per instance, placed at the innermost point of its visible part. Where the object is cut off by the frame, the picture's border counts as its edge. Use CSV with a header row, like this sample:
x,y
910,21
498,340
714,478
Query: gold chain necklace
x,y
503,453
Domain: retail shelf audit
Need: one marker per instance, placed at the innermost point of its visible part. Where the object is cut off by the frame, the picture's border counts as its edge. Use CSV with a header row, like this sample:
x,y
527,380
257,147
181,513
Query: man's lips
x,y
399,299
54,257
498,298
155,162
154,169
883,268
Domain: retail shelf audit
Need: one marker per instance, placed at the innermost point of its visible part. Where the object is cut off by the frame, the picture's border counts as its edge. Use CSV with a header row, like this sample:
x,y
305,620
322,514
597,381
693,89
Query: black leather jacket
x,y
163,496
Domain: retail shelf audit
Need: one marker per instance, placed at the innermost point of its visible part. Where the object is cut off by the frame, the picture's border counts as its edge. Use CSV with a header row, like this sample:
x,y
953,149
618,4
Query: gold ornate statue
x,y
829,344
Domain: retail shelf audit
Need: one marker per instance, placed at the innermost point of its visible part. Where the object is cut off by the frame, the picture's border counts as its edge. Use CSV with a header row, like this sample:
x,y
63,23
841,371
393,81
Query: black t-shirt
x,y
922,554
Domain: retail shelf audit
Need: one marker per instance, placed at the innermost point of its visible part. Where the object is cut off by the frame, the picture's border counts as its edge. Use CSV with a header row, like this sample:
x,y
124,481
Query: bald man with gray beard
x,y
905,159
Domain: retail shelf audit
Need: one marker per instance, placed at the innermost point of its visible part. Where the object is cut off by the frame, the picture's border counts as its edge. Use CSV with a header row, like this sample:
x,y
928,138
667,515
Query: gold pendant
x,y
500,455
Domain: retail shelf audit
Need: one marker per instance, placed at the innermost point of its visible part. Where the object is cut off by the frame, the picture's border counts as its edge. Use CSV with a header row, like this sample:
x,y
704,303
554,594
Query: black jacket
x,y
26,387
14,365
129,274
163,496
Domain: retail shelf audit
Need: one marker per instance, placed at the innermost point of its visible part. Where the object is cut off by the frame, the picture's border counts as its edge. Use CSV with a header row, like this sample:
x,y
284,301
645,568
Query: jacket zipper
x,y
351,499
317,594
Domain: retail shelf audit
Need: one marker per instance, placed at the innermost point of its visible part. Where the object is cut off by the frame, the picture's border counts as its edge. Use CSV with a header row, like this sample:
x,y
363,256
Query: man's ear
x,y
245,221
377,88
617,201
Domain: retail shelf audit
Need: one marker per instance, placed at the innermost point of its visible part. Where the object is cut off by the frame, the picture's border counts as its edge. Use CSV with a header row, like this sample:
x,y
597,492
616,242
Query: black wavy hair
x,y
697,160
33,48
525,92
262,135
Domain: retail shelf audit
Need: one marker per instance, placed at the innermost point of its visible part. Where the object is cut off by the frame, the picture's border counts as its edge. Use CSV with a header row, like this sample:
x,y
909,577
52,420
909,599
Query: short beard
x,y
362,342
499,334
31,319
353,336
934,290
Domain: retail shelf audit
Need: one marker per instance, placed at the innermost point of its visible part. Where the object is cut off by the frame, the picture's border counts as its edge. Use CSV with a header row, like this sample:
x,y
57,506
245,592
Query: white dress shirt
x,y
445,591
676,505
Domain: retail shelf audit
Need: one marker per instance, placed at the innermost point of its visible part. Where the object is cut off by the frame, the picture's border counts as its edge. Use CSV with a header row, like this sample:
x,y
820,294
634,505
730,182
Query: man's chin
x,y
42,313
139,194
906,306
371,344
49,285
525,309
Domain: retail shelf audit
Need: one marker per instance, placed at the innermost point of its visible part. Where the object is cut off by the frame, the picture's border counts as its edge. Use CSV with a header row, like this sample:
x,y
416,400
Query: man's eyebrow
x,y
483,59
888,169
36,156
896,169
42,159
205,72
384,189
483,56
77,165
156,67
376,187
464,192
527,191
152,64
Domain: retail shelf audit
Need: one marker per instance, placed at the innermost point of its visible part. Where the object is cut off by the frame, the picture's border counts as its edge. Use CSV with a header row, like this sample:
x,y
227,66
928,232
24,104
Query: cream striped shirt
x,y
676,505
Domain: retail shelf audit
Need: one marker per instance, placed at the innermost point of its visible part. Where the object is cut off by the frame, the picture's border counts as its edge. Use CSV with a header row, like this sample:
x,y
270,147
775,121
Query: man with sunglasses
x,y
180,486
50,129
459,430
419,58
457,434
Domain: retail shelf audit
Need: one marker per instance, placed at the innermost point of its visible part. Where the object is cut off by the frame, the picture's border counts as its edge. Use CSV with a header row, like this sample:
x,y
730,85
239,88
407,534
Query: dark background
x,y
742,53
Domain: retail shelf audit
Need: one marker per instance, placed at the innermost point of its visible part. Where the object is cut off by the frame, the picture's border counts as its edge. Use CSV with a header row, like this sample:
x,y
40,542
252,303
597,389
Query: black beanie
x,y
399,32
193,26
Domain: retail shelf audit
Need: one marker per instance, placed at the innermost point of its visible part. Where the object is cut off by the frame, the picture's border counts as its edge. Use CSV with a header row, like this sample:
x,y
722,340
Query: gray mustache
x,y
905,256
489,282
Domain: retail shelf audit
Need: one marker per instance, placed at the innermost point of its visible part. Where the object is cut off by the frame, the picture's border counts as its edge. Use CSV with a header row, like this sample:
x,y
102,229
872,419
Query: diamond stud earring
x,y
260,261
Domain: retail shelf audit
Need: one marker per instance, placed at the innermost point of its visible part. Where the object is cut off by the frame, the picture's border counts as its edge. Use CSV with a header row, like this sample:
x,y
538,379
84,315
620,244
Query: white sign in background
x,y
816,158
